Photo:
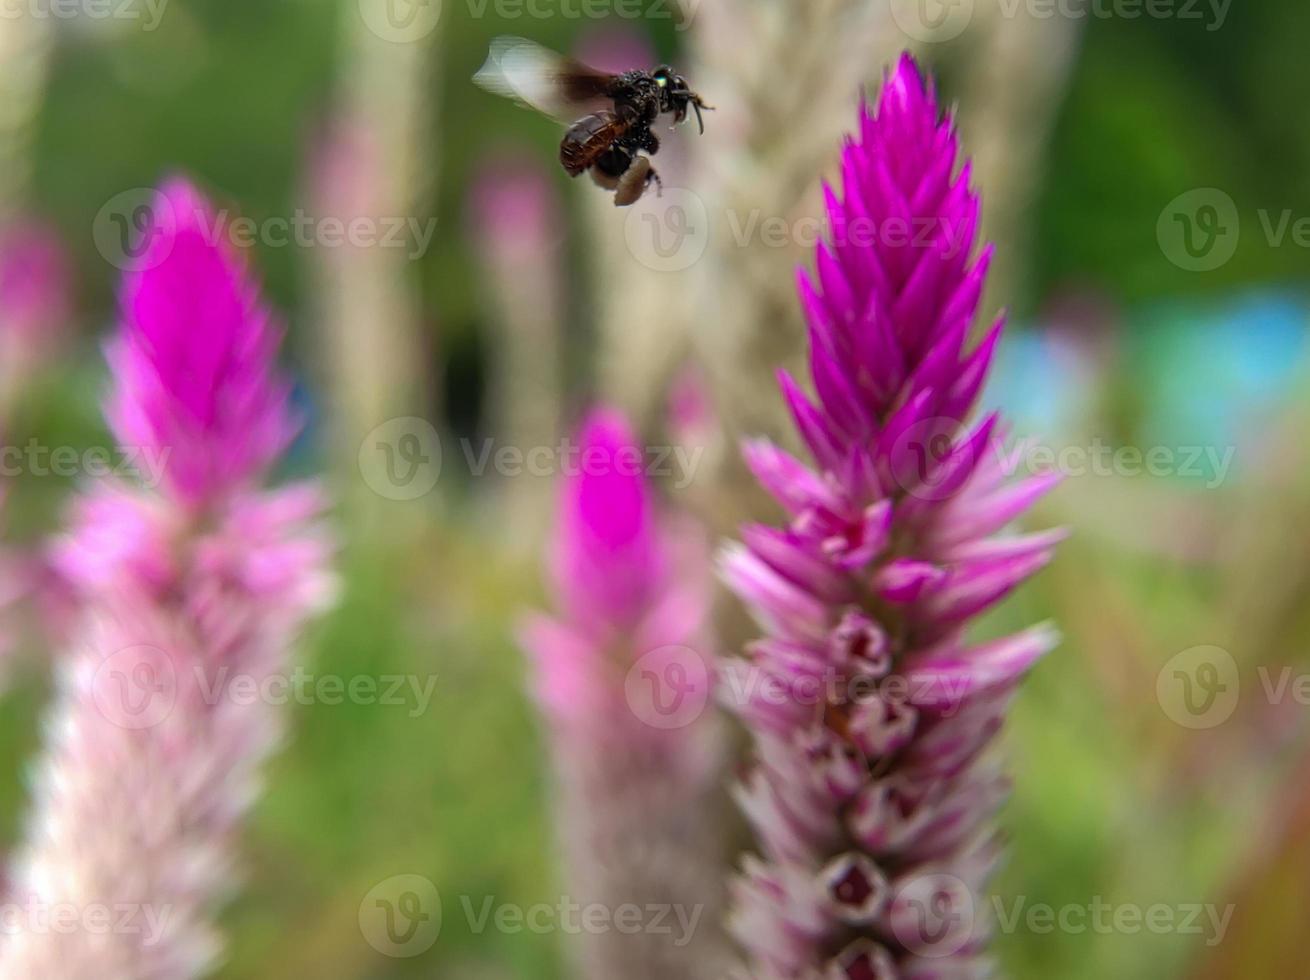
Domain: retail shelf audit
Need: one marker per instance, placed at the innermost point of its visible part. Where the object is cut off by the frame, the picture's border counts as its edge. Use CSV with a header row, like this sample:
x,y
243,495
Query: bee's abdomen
x,y
586,140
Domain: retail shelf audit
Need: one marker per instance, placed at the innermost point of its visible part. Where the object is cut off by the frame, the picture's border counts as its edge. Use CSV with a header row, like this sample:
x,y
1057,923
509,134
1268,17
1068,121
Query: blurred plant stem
x,y
370,165
785,76
1017,65
1268,568
643,315
25,44
1271,895
516,221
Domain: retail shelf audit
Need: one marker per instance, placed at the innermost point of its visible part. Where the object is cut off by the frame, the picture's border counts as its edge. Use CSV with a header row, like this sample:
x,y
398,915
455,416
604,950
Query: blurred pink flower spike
x,y
177,595
608,558
515,214
35,301
35,284
872,797
623,678
193,362
615,48
692,419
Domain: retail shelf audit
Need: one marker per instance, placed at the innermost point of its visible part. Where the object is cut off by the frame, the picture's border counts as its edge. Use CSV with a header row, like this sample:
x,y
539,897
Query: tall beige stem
x,y
1017,69
25,43
375,165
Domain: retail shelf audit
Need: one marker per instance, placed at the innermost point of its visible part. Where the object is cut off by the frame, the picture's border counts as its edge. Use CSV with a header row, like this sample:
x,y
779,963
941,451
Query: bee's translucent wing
x,y
531,75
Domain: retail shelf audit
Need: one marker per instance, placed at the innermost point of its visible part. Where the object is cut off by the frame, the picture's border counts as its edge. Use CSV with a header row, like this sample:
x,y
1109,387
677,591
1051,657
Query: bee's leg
x,y
649,142
610,167
633,184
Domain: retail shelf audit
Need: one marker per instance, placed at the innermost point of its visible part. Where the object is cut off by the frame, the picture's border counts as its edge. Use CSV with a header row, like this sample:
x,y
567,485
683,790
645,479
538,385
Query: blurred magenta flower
x,y
193,362
622,678
184,602
871,795
609,562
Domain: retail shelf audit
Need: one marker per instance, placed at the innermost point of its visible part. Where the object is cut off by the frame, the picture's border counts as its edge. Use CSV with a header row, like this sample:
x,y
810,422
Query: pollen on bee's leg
x,y
633,182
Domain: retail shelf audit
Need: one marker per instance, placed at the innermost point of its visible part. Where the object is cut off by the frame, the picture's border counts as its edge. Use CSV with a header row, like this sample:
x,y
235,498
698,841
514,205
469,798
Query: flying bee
x,y
617,111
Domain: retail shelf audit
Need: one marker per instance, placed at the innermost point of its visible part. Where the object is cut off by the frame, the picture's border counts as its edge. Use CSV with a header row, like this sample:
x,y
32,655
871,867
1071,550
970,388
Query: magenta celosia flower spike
x,y
622,678
872,795
186,593
194,371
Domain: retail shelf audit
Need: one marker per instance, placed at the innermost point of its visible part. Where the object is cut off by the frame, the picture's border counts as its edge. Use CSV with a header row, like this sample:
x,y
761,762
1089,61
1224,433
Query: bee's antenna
x,y
700,120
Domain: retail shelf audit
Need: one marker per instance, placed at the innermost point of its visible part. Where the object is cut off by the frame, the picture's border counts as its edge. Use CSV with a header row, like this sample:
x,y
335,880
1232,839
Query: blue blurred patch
x,y
1197,374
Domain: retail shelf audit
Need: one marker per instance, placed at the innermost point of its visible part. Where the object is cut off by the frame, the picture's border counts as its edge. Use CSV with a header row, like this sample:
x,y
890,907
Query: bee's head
x,y
677,97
